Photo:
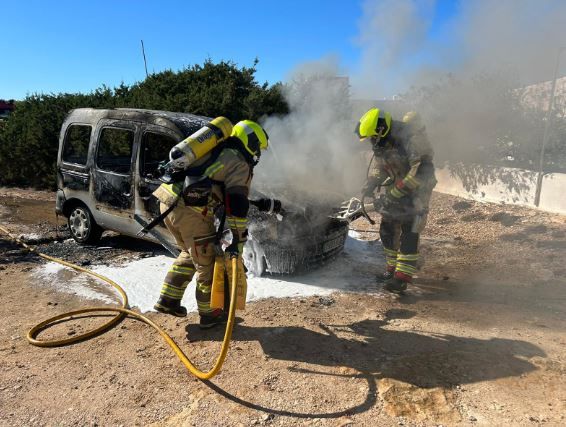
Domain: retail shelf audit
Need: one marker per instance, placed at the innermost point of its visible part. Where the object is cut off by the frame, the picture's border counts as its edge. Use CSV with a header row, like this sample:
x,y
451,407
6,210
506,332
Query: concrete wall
x,y
502,185
538,95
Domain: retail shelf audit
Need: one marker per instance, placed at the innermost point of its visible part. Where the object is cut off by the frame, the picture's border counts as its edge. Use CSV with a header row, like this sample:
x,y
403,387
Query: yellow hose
x,y
122,312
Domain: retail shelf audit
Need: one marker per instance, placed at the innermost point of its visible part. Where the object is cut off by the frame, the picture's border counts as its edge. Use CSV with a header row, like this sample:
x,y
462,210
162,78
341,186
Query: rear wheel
x,y
82,226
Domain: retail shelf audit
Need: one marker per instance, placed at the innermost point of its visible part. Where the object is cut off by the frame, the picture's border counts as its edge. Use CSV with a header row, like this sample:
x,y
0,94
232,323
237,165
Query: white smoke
x,y
392,35
398,48
314,147
471,66
519,36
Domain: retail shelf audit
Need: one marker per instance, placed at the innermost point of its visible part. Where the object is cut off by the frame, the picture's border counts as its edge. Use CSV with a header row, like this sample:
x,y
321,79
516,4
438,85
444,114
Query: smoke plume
x,y
313,148
464,74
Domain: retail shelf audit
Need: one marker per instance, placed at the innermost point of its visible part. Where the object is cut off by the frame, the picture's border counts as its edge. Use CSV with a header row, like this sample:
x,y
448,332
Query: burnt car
x,y
107,170
307,235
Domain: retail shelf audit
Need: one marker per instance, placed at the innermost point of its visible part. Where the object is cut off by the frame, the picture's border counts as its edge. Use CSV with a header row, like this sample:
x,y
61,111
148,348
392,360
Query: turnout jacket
x,y
225,178
405,165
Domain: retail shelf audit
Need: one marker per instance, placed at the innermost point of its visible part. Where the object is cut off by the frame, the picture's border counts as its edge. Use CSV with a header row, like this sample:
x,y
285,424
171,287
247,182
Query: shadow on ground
x,y
376,352
542,298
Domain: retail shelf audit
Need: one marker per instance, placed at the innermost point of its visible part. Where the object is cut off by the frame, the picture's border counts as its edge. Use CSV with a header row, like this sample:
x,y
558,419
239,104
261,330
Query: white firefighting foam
x,y
353,270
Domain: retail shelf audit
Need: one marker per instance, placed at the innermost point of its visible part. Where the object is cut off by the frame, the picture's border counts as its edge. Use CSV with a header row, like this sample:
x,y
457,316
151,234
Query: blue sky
x,y
76,46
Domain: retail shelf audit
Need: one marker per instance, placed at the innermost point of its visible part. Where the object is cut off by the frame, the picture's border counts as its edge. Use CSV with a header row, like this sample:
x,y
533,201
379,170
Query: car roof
x,y
183,122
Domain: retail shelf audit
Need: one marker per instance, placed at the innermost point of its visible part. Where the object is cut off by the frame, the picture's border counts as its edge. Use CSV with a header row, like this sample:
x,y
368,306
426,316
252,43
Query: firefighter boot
x,y
385,276
170,306
405,268
217,317
396,285
390,262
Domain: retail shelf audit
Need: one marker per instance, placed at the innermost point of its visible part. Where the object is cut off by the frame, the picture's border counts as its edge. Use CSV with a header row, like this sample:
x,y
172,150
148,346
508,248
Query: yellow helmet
x,y
252,135
413,119
373,123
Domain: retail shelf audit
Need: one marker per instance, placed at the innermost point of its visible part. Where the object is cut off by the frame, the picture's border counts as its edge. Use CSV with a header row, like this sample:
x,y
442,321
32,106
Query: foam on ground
x,y
352,270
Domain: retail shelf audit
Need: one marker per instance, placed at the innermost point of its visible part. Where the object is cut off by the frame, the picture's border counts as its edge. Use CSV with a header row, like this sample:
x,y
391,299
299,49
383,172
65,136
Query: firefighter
x,y
404,169
225,178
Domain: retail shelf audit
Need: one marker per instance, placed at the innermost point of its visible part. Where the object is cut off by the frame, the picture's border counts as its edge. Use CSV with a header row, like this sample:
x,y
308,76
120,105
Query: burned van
x,y
107,170
107,166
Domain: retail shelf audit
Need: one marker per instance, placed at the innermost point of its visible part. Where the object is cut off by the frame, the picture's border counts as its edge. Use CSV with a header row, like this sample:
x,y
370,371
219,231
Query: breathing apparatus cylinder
x,y
199,143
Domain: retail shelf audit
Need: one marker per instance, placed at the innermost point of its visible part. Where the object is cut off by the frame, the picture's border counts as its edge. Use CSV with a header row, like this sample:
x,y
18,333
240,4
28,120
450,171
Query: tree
x,y
29,139
485,120
210,90
480,124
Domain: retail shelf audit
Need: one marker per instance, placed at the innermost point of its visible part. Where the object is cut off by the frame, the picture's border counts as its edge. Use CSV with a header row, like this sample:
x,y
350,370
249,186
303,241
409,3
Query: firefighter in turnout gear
x,y
221,177
403,168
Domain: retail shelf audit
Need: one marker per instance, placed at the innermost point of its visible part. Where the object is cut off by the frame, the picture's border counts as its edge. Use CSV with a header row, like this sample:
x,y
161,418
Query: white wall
x,y
507,185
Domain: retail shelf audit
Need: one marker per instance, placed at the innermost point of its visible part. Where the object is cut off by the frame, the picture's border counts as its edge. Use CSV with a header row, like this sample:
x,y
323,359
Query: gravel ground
x,y
478,340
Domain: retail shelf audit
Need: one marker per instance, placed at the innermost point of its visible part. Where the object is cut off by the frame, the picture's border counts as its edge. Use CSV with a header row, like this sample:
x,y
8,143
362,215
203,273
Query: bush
x,y
29,139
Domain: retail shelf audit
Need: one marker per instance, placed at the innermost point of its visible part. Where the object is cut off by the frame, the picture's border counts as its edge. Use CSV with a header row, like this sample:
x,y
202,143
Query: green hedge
x,y
29,138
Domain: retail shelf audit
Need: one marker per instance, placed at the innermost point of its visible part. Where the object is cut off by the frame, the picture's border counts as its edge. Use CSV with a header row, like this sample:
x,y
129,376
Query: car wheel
x,y
82,226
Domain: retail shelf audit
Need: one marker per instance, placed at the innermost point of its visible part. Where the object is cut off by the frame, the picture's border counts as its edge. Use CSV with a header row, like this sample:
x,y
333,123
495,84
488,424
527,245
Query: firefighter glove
x,y
369,187
236,248
267,205
379,203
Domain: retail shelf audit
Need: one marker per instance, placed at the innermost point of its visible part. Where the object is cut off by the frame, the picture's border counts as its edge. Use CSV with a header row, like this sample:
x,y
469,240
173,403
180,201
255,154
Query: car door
x,y
156,142
113,174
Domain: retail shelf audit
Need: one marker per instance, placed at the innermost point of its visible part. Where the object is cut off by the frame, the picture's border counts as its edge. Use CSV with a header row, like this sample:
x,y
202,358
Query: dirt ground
x,y
479,339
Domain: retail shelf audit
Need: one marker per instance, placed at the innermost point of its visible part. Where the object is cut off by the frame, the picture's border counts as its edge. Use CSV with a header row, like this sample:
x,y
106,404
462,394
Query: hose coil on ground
x,y
124,311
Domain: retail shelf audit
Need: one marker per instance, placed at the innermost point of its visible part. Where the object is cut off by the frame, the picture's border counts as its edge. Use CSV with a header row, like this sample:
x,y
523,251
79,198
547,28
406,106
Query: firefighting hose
x,y
124,311
355,208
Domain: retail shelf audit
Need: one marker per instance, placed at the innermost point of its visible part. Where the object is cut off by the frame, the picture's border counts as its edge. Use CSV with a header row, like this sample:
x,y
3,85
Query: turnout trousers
x,y
194,231
400,240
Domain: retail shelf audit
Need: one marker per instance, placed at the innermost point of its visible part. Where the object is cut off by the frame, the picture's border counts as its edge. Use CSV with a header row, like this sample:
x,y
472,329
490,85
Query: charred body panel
x,y
304,253
306,237
115,150
77,181
150,204
113,190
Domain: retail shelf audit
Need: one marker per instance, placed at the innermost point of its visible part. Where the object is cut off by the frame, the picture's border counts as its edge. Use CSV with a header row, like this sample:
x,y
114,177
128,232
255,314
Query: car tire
x,y
82,226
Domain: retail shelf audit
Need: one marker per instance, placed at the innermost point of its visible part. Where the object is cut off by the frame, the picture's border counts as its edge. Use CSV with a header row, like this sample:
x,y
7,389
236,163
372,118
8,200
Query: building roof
x,y
7,105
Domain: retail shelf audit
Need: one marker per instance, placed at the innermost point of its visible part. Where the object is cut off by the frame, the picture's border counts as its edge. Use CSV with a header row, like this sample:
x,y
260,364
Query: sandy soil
x,y
479,340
